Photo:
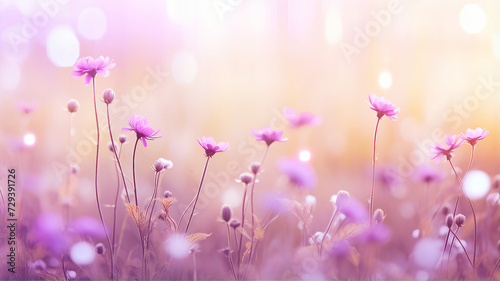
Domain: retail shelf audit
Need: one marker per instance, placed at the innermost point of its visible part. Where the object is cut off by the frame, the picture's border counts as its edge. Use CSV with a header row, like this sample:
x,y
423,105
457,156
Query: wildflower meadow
x,y
249,140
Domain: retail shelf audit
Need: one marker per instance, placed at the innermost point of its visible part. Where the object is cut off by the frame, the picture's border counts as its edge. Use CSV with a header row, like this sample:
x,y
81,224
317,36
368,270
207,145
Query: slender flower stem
x,y
327,230
64,268
229,252
373,173
252,248
494,269
116,203
465,251
197,195
242,224
133,172
95,179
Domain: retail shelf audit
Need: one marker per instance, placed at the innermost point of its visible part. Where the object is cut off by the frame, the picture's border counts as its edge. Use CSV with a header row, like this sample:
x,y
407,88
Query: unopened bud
x,y
378,216
73,105
110,147
122,138
342,198
449,220
108,96
446,209
496,182
235,223
74,169
460,220
246,178
99,248
255,167
226,213
167,193
310,201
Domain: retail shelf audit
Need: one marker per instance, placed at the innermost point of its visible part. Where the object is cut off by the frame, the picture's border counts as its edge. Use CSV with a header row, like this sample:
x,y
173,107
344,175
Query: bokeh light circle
x,y
29,139
472,18
476,184
385,80
82,253
92,23
63,48
184,67
304,155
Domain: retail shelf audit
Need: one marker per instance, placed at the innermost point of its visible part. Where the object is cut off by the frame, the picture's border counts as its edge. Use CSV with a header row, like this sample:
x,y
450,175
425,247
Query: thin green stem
x,y
197,195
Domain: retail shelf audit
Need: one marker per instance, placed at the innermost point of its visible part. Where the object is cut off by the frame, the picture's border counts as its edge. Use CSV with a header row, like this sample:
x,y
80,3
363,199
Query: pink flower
x,y
298,172
452,142
428,174
268,135
208,143
473,136
296,120
143,130
383,107
27,107
91,67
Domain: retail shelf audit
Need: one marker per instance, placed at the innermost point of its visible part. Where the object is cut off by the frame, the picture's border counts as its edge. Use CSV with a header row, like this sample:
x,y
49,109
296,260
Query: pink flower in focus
x,y
298,172
268,135
208,143
141,127
91,67
452,142
383,107
297,120
473,136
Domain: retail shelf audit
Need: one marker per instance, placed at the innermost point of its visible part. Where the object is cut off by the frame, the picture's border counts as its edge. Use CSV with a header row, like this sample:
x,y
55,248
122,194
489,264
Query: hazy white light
x,y
305,155
180,11
82,253
415,233
10,75
472,18
26,7
427,252
184,67
232,196
63,48
310,201
477,184
29,139
177,246
333,27
385,80
496,46
92,23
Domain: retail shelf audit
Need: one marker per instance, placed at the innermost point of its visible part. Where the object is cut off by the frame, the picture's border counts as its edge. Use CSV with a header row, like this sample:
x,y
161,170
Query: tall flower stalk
x,y
383,108
91,67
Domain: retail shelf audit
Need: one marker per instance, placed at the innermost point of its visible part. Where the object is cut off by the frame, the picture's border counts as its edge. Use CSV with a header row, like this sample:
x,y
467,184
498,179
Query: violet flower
x,y
268,135
298,172
208,143
91,67
301,119
141,127
440,151
383,107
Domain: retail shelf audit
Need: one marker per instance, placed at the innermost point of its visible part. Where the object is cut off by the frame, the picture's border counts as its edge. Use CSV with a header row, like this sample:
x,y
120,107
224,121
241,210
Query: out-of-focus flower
x,y
235,223
388,176
99,248
339,249
72,105
268,135
340,199
493,199
108,96
383,107
378,234
91,67
226,213
301,119
379,216
177,246
49,228
74,168
245,178
318,237
449,220
473,136
298,172
354,211
88,226
167,193
142,129
27,108
255,167
111,147
460,220
122,138
440,151
39,265
428,174
208,143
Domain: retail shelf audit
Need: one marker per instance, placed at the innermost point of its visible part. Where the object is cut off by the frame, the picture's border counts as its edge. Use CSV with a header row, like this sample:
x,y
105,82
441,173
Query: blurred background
x,y
223,67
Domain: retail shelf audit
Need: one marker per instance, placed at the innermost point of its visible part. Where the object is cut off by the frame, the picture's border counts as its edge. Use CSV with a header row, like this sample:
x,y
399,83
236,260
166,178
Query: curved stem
x,y
95,179
242,224
229,252
116,202
465,251
197,195
133,172
326,231
494,269
373,174
64,268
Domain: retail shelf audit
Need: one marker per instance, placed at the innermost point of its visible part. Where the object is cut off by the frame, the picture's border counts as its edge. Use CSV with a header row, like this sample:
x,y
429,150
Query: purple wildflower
x,y
141,127
268,135
299,172
208,143
301,119
91,67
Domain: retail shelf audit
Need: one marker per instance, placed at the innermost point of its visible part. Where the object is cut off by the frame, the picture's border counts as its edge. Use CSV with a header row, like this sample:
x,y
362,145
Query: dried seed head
x,y
446,209
449,220
99,248
379,216
460,220
342,198
246,178
122,138
167,193
255,167
235,223
108,96
73,105
226,213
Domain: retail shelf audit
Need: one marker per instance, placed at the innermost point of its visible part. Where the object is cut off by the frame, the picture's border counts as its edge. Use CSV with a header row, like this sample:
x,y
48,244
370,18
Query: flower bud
x,y
460,220
73,105
226,213
99,248
342,198
496,182
310,201
449,220
378,216
108,96
246,178
122,138
446,209
167,193
162,164
255,167
74,169
111,148
235,223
